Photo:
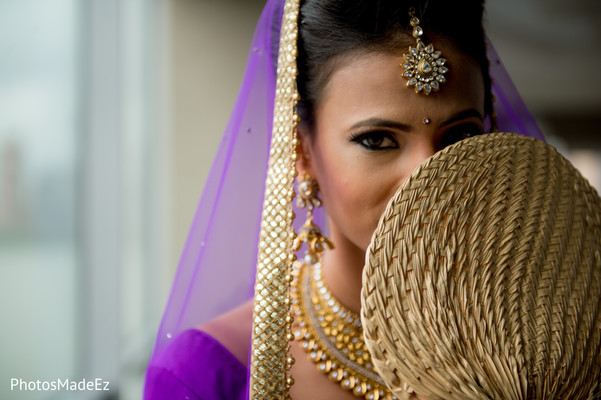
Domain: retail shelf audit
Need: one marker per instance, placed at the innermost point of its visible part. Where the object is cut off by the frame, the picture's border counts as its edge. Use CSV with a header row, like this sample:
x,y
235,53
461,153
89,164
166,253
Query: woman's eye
x,y
376,141
458,133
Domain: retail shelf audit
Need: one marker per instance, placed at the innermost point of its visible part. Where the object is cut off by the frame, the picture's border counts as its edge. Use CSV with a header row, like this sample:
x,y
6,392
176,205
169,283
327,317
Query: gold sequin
x,y
270,361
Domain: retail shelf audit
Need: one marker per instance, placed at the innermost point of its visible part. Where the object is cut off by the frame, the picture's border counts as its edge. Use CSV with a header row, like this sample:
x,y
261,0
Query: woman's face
x,y
370,134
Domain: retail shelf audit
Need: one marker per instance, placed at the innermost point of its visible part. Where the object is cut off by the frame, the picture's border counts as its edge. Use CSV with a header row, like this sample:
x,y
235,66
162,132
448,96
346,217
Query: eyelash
x,y
380,136
451,136
460,132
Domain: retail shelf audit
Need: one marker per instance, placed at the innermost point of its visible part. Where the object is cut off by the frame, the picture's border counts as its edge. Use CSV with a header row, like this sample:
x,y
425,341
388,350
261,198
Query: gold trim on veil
x,y
270,360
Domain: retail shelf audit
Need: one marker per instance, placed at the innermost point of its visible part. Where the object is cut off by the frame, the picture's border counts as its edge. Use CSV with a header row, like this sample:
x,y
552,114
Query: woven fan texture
x,y
483,278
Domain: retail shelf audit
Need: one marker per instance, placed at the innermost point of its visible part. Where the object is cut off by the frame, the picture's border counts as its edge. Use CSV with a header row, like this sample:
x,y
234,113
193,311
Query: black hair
x,y
329,30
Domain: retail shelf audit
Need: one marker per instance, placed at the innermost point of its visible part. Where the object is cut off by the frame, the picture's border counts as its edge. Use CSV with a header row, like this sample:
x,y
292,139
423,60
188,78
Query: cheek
x,y
340,186
354,195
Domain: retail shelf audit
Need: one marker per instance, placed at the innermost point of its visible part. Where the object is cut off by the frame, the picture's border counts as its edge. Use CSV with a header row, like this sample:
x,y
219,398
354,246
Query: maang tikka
x,y
424,66
310,234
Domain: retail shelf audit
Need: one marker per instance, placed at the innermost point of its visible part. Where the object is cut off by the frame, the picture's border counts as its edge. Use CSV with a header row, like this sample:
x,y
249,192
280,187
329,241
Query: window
x,y
80,193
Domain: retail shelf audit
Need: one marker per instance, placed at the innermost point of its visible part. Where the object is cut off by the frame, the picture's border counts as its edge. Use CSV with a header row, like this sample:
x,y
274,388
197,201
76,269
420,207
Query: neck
x,y
342,269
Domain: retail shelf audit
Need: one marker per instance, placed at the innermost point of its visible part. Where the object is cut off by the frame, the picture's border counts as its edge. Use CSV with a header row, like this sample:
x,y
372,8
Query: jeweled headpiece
x,y
424,67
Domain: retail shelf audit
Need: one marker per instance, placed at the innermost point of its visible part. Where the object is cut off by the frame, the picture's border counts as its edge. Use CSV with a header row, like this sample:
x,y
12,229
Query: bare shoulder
x,y
233,330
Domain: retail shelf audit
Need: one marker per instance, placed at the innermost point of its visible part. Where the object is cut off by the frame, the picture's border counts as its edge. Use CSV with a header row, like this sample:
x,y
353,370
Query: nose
x,y
416,154
424,148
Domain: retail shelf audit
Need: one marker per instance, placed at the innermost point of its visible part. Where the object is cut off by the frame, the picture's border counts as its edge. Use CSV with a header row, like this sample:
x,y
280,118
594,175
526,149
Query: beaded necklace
x,y
332,335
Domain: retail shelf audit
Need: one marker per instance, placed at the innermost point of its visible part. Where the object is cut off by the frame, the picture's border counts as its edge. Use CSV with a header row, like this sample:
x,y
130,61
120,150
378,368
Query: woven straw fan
x,y
483,278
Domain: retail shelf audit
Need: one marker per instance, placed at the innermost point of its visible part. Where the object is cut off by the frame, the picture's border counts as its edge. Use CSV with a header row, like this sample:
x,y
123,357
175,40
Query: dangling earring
x,y
310,234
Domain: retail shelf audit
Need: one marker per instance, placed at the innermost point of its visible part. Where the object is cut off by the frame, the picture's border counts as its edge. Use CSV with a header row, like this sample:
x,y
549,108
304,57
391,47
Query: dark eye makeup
x,y
459,132
381,140
375,140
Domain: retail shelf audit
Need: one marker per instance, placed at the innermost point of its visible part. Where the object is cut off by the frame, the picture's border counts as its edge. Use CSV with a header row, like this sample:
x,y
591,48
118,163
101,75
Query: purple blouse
x,y
195,366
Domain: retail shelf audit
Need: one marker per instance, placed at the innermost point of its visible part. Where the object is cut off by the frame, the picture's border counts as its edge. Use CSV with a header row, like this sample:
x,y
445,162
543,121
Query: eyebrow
x,y
383,123
386,123
472,112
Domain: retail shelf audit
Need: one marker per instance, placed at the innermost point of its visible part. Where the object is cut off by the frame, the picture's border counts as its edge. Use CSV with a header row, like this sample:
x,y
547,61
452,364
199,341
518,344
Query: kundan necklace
x,y
332,335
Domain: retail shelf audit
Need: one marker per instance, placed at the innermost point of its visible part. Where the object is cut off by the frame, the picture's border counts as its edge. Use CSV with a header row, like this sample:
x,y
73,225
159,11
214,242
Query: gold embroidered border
x,y
270,361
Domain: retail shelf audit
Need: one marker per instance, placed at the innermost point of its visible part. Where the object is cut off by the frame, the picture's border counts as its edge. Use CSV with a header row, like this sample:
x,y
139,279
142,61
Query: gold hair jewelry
x,y
332,335
424,67
309,233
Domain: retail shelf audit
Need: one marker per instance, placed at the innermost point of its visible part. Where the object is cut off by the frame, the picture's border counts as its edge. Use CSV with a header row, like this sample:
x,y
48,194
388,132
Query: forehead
x,y
371,84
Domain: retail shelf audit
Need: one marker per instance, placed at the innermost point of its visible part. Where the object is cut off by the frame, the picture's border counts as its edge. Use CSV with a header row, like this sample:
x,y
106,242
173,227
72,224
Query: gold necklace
x,y
332,335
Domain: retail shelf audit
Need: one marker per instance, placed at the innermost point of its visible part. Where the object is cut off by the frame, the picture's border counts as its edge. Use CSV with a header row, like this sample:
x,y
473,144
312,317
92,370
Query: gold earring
x,y
309,233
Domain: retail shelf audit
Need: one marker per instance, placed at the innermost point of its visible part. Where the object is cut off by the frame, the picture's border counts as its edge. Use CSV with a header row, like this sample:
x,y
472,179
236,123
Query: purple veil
x,y
217,267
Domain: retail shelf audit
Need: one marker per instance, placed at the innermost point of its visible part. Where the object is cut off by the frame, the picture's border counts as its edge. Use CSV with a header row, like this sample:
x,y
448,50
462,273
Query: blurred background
x,y
110,113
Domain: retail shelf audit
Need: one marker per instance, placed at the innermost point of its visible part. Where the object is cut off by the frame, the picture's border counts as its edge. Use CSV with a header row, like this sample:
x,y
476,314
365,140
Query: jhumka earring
x,y
424,66
310,234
